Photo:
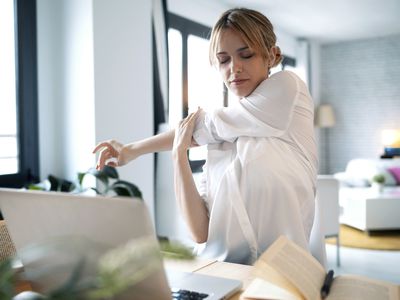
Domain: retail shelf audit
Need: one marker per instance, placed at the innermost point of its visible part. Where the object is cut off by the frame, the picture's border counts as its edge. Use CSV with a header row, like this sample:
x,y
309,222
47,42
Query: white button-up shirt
x,y
260,174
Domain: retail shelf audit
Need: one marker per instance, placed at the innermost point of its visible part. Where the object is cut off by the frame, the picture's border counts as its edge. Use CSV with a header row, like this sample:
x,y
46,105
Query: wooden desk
x,y
207,267
215,268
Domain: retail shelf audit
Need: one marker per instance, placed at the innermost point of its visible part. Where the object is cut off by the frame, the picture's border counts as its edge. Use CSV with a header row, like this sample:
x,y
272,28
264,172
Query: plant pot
x,y
377,188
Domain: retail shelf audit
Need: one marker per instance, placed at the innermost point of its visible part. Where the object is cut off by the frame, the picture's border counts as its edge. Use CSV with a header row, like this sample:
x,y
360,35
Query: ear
x,y
272,56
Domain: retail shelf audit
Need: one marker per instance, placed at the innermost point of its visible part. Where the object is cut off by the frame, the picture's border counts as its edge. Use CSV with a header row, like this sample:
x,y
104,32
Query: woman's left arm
x,y
191,204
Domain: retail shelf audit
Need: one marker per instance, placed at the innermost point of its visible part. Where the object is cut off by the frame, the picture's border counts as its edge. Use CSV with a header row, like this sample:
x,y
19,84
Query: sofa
x,y
362,205
359,173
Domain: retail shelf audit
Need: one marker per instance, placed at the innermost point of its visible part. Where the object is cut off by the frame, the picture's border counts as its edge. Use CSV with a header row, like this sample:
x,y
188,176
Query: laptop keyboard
x,y
179,294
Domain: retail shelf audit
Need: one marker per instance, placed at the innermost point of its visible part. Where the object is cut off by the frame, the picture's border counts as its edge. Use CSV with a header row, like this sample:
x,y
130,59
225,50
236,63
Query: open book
x,y
287,271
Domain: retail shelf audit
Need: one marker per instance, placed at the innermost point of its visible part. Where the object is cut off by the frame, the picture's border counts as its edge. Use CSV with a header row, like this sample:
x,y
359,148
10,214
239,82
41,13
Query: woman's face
x,y
241,68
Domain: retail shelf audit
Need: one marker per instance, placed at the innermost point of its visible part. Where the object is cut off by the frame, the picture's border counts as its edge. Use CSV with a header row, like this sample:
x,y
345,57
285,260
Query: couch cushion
x,y
360,170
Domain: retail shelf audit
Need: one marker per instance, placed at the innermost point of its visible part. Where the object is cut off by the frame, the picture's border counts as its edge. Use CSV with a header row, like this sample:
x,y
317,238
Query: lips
x,y
237,81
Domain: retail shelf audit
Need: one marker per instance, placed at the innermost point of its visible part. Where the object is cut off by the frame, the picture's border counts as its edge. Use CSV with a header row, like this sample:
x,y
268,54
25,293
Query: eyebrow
x,y
237,50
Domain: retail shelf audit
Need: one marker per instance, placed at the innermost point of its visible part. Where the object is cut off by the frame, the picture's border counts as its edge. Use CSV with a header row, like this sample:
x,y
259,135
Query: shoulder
x,y
286,79
282,84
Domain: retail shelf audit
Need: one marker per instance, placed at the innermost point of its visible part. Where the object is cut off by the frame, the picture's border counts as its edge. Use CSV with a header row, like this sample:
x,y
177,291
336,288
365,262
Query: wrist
x,y
179,153
132,151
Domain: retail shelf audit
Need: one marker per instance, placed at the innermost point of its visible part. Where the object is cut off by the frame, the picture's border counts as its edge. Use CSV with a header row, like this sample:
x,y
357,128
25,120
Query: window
x,y
193,82
18,93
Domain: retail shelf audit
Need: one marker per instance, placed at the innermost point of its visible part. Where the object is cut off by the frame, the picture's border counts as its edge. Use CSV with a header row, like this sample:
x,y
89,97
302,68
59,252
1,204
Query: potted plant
x,y
377,183
108,182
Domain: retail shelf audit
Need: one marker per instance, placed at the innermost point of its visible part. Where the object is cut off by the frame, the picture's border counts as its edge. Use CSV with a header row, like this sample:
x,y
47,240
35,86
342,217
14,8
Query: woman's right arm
x,y
115,154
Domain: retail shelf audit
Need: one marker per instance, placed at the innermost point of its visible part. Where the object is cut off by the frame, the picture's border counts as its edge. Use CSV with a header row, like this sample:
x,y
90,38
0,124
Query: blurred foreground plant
x,y
114,270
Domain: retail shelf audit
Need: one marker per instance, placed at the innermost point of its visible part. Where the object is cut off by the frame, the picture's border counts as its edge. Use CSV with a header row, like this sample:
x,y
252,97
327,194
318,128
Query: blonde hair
x,y
253,27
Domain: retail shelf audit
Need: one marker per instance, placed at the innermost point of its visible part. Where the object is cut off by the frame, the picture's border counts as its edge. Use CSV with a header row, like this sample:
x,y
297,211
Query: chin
x,y
242,94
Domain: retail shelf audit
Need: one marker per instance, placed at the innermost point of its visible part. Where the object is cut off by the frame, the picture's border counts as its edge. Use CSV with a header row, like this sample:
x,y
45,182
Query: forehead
x,y
230,40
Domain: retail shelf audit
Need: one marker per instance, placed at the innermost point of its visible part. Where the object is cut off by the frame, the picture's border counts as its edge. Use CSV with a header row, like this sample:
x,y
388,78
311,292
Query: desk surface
x,y
207,267
216,268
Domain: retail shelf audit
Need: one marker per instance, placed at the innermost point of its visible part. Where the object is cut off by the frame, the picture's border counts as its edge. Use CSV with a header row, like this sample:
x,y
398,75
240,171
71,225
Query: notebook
x,y
35,217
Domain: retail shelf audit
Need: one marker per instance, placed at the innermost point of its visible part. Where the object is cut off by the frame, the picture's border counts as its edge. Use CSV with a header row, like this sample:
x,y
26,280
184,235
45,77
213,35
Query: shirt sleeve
x,y
267,112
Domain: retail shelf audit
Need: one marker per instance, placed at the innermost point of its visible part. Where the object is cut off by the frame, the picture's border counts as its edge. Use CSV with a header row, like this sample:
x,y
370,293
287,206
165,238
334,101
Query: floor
x,y
383,265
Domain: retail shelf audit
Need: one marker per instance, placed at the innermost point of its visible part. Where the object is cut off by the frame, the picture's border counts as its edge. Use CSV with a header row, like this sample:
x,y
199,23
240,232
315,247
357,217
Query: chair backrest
x,y
326,219
7,249
317,241
328,199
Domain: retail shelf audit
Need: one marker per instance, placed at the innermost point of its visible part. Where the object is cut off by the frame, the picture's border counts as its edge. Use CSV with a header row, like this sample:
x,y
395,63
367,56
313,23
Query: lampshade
x,y
391,138
325,116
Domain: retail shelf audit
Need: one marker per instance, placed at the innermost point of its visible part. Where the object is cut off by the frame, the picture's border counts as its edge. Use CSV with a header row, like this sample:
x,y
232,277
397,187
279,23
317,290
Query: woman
x,y
260,173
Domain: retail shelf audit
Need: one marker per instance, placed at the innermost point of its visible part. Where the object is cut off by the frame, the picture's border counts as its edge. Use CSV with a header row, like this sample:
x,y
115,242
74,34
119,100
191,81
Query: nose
x,y
236,66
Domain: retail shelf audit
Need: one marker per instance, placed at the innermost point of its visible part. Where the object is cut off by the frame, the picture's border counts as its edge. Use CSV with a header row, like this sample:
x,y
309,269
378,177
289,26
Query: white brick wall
x,y
361,79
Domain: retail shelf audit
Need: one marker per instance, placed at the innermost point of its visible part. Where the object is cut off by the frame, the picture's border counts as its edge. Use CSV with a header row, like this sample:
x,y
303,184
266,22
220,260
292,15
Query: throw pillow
x,y
395,171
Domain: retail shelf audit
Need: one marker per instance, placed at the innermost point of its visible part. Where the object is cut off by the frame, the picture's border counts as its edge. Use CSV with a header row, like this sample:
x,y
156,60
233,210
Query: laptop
x,y
77,227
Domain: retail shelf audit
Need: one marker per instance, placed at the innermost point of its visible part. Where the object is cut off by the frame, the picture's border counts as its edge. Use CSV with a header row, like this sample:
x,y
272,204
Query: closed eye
x,y
223,60
247,55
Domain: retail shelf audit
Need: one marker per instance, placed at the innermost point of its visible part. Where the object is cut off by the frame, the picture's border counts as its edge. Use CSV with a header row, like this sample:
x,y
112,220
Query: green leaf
x,y
7,277
96,190
110,172
35,187
100,175
67,186
125,188
54,183
175,250
59,184
81,176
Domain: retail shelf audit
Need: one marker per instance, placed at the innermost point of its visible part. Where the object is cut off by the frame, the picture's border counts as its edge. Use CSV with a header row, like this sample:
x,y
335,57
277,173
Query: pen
x,y
327,284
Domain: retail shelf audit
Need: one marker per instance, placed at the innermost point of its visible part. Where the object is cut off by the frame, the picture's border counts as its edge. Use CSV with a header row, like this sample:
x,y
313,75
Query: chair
x,y
328,202
7,249
317,241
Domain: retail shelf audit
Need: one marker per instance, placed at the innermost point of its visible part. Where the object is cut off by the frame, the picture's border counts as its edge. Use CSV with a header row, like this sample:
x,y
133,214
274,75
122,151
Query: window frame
x,y
26,94
188,27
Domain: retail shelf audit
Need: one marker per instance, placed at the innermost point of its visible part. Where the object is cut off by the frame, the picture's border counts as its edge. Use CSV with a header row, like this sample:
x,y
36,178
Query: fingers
x,y
108,155
191,117
104,156
101,145
112,161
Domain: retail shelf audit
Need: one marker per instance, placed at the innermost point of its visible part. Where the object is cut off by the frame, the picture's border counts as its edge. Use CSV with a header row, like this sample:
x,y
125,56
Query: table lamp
x,y
391,143
325,118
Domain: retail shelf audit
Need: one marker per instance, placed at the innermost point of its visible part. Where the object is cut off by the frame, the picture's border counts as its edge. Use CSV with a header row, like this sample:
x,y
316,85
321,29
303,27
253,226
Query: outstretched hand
x,y
111,154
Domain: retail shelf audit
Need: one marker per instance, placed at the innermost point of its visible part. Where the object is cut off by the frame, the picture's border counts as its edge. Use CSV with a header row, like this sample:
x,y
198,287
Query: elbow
x,y
200,238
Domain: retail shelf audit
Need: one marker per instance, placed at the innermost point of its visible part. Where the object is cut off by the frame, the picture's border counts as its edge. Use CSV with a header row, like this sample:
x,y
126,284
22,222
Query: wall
x,y
95,83
123,81
65,87
361,80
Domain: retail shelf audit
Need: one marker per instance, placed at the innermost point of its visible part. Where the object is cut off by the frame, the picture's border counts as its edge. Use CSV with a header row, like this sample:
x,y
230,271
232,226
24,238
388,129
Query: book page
x,y
261,289
267,273
354,287
297,265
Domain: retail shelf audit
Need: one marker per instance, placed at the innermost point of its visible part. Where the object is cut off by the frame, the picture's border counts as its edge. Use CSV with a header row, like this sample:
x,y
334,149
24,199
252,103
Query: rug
x,y
380,240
